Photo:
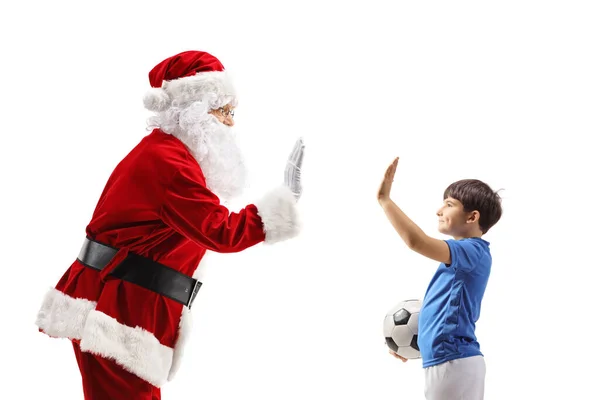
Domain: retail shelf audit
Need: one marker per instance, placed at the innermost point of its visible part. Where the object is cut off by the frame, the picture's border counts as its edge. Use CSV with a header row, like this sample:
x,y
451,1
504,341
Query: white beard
x,y
213,144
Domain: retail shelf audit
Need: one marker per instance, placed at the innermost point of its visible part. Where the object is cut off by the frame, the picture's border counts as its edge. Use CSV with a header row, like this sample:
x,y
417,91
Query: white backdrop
x,y
504,92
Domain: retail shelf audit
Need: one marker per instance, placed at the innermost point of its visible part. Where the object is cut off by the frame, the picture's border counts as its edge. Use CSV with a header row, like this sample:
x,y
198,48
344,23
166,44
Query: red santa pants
x,y
104,379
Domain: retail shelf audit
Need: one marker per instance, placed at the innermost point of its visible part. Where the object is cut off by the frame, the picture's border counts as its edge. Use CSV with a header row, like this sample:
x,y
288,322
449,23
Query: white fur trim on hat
x,y
156,99
214,87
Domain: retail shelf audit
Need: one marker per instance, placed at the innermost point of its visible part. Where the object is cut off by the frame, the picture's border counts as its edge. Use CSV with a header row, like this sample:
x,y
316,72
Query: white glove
x,y
291,175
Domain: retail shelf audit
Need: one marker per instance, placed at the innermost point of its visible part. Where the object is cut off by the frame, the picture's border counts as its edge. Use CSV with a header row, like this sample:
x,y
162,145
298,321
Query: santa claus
x,y
125,300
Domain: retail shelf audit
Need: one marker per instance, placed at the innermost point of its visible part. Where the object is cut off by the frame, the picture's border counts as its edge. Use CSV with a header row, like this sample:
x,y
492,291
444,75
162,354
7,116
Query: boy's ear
x,y
473,217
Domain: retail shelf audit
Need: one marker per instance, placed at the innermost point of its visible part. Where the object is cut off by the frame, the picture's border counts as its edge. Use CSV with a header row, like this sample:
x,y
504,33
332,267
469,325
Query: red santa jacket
x,y
155,204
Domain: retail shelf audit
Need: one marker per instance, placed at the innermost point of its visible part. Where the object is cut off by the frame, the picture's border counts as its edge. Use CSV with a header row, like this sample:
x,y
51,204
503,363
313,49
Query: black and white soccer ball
x,y
401,328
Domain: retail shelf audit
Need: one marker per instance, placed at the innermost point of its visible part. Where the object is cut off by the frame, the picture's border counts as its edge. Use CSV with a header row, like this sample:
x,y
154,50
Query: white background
x,y
507,92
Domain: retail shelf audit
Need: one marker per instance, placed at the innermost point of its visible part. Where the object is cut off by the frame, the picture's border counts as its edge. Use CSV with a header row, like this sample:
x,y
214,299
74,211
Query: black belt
x,y
141,271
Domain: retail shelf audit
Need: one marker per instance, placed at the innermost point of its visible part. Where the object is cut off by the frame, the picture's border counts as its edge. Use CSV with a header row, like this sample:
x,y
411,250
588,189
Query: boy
x,y
453,363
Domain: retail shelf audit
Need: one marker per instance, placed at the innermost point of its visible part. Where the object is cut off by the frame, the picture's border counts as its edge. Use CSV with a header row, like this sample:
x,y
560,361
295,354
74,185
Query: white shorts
x,y
460,379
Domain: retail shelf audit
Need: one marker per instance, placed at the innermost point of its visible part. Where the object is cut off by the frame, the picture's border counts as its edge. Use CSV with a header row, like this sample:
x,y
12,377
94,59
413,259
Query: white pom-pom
x,y
156,99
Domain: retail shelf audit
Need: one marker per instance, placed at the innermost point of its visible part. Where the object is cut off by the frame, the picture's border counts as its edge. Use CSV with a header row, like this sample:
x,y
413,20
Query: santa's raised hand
x,y
293,168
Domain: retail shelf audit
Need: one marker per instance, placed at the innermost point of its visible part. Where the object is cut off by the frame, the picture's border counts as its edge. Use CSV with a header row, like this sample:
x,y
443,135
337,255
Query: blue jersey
x,y
452,303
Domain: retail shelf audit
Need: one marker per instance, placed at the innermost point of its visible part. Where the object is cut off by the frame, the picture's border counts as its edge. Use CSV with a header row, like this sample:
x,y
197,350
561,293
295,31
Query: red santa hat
x,y
186,77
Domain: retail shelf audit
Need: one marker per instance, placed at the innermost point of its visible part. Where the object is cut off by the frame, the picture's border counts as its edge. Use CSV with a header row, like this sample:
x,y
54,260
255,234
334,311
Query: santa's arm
x,y
192,209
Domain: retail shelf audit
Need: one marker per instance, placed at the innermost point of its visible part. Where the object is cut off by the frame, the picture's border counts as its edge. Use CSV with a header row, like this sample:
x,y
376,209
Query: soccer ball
x,y
401,328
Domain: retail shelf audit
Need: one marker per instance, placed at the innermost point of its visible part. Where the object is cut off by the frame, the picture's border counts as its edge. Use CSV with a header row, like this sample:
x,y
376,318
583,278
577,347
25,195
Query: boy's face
x,y
452,219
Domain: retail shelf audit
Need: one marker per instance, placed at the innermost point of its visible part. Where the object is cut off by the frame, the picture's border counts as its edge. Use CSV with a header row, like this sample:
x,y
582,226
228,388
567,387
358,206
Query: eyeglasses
x,y
226,113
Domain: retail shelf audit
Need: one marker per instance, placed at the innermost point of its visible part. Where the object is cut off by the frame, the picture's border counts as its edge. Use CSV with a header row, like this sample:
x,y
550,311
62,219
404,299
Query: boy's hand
x,y
386,184
397,356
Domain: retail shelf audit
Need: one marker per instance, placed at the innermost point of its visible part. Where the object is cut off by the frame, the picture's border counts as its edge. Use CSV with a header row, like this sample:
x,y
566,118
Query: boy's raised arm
x,y
411,234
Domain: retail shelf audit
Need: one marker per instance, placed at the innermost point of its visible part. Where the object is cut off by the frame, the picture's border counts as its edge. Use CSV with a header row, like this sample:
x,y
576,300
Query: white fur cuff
x,y
135,349
279,215
63,316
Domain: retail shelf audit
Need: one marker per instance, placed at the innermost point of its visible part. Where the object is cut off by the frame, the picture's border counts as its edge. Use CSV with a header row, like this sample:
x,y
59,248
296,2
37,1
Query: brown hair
x,y
476,195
